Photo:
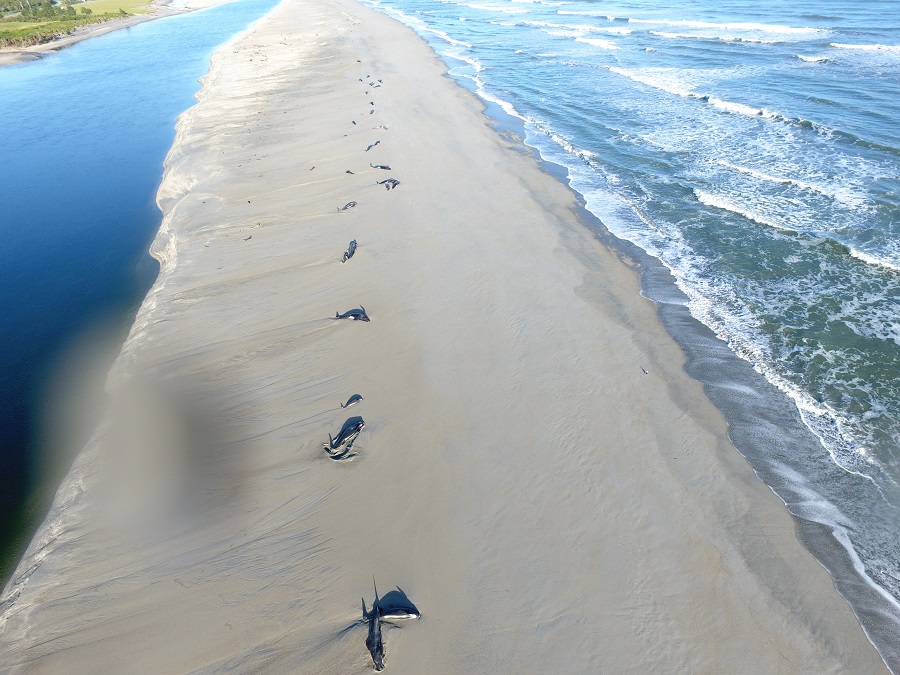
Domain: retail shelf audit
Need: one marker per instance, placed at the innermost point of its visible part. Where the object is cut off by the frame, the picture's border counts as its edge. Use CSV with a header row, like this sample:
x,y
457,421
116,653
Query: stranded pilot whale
x,y
351,249
353,400
355,314
389,183
374,642
393,606
339,448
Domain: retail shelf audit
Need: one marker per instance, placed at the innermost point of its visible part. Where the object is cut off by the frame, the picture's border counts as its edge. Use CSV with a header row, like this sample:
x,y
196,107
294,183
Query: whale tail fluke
x,y
365,612
343,406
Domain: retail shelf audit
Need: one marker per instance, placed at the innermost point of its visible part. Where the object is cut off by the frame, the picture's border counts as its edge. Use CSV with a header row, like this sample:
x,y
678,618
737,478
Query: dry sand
x,y
547,505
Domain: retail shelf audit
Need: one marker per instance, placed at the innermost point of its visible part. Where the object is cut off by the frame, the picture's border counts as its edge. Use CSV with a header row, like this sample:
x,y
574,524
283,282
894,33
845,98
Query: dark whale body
x,y
389,183
355,314
374,642
339,447
393,606
351,249
353,400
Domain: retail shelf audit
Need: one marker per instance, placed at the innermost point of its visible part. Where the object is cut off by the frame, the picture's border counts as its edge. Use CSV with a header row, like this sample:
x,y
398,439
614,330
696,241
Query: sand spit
x,y
535,470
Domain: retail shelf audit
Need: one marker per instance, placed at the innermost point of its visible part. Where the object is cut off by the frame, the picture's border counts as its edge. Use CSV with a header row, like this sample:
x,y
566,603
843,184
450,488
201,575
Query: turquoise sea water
x,y
754,149
84,135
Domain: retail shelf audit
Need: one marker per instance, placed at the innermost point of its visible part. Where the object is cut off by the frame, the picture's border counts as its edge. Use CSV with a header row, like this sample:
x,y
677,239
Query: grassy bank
x,y
39,23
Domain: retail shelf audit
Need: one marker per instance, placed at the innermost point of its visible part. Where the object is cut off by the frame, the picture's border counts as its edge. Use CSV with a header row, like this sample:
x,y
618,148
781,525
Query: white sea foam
x,y
597,42
581,27
714,303
719,202
867,316
760,175
740,108
870,259
710,36
844,194
441,34
565,26
841,535
557,32
666,79
770,178
585,13
581,153
419,25
497,8
658,78
475,63
887,49
734,26
507,107
812,59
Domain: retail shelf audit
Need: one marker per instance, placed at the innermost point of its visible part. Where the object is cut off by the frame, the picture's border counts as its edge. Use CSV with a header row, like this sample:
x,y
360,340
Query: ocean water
x,y
753,150
85,133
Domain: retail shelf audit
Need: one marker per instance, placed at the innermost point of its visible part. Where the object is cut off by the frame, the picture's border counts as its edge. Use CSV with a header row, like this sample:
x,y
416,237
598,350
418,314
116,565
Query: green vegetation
x,y
31,22
113,6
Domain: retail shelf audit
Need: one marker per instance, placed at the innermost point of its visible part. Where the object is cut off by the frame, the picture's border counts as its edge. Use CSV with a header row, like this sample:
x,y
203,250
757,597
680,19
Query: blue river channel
x,y
84,136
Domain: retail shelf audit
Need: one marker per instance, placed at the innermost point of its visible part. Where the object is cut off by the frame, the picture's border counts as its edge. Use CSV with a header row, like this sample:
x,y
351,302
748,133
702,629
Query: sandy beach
x,y
156,10
536,471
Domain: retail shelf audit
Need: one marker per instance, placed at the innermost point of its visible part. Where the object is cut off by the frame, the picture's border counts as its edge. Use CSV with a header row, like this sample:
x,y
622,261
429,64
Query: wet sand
x,y
536,470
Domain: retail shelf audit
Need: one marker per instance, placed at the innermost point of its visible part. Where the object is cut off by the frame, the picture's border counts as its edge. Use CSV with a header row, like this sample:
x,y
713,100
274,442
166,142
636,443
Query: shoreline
x,y
707,362
157,9
544,502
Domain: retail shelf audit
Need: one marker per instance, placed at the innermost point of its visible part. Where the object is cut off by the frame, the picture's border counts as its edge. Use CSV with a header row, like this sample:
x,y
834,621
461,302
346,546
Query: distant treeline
x,y
39,10
51,20
22,9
